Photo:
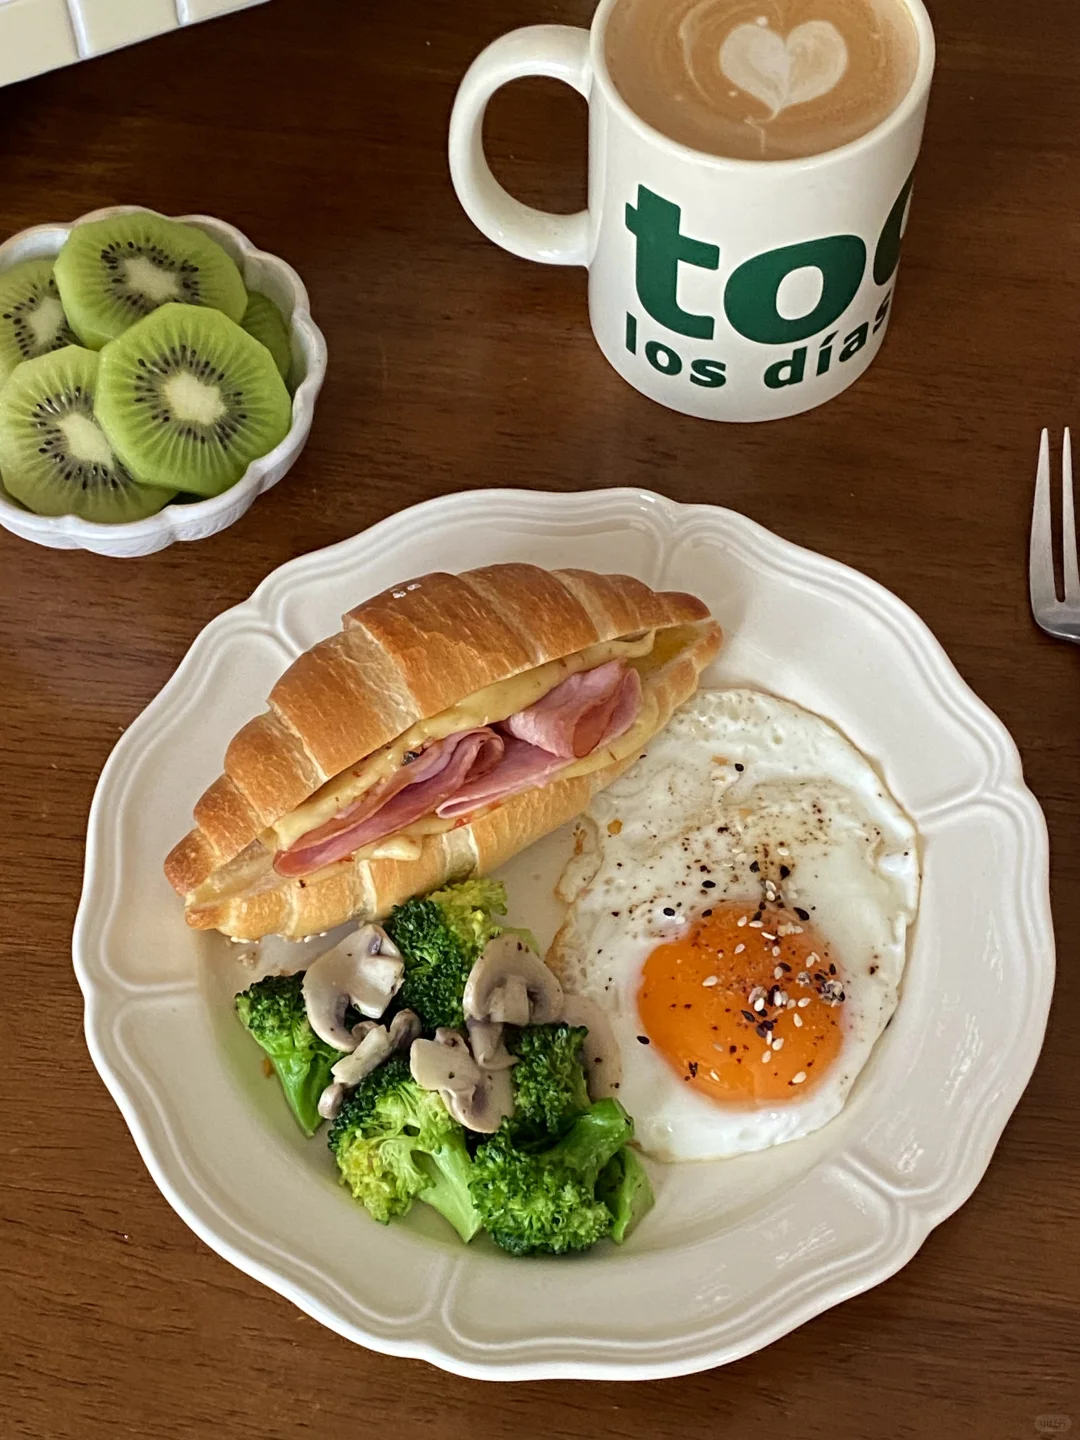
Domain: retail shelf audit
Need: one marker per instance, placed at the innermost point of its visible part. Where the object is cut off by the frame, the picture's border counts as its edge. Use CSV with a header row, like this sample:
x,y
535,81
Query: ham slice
x,y
413,791
578,715
455,776
524,765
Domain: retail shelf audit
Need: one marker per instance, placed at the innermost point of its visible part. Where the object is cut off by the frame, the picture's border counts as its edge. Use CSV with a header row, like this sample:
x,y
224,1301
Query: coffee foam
x,y
762,79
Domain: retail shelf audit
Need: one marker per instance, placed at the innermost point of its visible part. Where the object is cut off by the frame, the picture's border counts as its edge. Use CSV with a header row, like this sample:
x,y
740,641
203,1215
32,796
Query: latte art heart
x,y
781,72
762,79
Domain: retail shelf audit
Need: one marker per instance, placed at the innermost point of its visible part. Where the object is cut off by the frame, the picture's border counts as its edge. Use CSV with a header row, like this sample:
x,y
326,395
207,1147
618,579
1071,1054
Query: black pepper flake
x,y
668,910
873,969
785,871
740,768
832,969
754,867
692,1066
643,1040
732,1049
801,913
410,756
708,884
705,914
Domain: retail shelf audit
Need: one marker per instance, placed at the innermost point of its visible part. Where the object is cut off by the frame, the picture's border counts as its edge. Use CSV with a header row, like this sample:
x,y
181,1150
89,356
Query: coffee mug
x,y
725,288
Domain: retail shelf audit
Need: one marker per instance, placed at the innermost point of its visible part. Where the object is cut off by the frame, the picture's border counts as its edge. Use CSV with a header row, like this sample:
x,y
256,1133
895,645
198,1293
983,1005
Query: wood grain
x,y
319,128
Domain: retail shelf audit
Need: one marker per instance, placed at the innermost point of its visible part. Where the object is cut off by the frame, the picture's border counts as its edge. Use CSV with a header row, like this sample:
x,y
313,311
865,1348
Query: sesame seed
x,y
755,924
776,952
766,936
710,980
798,1021
778,1043
804,1002
798,1079
741,921
739,949
778,974
714,1075
766,1057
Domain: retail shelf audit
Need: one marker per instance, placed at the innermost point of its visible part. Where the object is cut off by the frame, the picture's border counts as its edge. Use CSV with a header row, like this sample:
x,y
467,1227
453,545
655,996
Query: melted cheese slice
x,y
485,707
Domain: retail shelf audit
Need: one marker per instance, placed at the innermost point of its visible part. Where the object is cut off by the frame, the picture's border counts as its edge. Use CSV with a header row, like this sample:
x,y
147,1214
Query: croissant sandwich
x,y
453,720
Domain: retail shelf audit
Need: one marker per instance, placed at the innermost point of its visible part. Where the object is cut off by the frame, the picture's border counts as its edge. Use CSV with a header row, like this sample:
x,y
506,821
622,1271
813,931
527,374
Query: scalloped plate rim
x,y
917,1213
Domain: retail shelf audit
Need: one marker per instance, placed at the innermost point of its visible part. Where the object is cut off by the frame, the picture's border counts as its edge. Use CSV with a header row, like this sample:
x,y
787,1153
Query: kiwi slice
x,y
265,321
111,273
188,399
32,319
54,457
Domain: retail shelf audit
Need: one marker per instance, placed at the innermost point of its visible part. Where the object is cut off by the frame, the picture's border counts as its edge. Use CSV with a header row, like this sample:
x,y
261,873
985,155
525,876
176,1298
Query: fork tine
x,y
1041,554
1068,523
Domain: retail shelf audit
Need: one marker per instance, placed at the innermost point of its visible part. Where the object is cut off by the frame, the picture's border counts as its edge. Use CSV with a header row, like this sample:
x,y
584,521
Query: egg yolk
x,y
746,1007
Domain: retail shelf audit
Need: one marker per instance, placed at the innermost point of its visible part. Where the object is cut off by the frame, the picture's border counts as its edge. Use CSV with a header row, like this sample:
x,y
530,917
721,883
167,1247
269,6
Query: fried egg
x,y
740,905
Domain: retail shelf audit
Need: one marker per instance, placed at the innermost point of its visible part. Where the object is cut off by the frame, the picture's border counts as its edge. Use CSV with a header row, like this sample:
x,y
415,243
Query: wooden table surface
x,y
318,127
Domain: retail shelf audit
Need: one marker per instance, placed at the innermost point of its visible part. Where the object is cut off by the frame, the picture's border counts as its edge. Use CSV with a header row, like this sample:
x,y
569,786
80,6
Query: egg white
x,y
739,777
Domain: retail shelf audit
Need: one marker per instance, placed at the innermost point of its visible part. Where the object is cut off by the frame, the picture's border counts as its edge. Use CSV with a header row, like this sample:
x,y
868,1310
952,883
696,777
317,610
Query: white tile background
x,y
37,35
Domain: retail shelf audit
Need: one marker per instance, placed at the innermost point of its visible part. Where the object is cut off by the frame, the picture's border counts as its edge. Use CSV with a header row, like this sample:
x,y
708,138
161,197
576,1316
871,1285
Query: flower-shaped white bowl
x,y
262,272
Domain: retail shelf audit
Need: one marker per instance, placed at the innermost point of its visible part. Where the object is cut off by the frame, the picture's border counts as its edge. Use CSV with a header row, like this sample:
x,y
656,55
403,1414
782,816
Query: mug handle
x,y
558,51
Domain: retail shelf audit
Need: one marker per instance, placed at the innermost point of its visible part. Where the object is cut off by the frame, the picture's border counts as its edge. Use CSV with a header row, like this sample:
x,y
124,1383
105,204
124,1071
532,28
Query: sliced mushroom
x,y
404,1029
331,1100
489,1104
478,1099
365,970
510,984
600,1052
444,1064
486,1043
371,1052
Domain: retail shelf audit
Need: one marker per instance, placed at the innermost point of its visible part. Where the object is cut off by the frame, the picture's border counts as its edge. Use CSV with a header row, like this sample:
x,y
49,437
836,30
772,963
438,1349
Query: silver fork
x,y
1057,617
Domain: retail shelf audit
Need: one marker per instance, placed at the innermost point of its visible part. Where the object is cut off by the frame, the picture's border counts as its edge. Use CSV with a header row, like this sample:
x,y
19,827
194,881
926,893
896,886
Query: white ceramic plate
x,y
272,277
736,1252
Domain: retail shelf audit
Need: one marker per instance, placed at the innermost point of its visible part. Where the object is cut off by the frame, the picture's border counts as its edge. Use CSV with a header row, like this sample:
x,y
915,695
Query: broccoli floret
x,y
549,1081
441,938
273,1012
394,1143
626,1190
544,1201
